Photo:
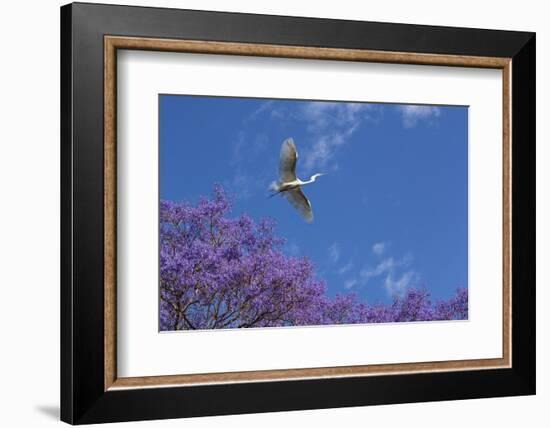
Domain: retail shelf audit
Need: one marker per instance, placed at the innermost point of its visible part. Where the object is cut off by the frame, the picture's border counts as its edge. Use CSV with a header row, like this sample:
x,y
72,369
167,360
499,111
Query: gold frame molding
x,y
113,43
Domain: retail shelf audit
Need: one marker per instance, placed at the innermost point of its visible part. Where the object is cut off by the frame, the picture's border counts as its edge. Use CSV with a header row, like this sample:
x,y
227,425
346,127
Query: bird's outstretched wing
x,y
287,161
299,201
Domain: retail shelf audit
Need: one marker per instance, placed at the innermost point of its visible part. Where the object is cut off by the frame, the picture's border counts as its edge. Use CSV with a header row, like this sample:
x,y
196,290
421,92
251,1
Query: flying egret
x,y
291,186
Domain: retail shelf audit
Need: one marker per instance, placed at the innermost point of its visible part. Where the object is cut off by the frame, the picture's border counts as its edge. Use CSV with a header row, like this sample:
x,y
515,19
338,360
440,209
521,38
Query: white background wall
x,y
29,214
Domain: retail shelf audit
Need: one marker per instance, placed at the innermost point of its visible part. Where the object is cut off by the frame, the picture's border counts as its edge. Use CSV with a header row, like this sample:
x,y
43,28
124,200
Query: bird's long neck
x,y
311,180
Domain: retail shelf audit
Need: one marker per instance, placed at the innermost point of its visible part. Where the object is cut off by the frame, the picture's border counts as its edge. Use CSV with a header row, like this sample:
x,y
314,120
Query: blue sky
x,y
391,212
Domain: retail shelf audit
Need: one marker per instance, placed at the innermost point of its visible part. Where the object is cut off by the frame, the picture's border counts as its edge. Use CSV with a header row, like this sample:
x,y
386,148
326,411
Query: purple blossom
x,y
221,272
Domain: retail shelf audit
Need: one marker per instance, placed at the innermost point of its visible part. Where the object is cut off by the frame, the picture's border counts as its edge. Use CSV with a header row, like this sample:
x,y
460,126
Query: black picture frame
x,y
83,398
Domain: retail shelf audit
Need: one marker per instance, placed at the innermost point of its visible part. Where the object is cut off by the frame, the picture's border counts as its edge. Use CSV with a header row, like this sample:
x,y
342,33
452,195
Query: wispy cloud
x,y
412,114
379,248
346,268
334,252
246,147
271,108
324,148
326,115
350,283
263,107
397,285
248,176
241,185
329,126
238,146
397,271
387,265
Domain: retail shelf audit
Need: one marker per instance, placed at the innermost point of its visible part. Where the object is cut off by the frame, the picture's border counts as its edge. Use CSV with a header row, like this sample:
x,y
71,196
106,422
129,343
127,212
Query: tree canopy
x,y
221,272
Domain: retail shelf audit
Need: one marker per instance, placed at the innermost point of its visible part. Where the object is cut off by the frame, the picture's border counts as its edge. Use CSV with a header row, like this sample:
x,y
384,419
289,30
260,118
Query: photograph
x,y
265,211
294,213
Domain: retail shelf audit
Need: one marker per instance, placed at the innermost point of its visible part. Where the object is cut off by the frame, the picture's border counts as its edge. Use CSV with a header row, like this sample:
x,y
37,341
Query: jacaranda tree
x,y
221,272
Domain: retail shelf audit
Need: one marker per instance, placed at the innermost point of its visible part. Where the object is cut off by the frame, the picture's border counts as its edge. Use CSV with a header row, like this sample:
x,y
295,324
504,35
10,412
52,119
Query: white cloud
x,y
327,115
265,106
386,265
329,126
271,108
398,285
246,147
237,149
391,268
412,114
241,185
379,248
247,178
346,268
350,283
323,150
334,252
396,282
396,274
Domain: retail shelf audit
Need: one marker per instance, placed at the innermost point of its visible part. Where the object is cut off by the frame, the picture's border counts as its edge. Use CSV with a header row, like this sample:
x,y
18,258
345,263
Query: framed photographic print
x,y
264,213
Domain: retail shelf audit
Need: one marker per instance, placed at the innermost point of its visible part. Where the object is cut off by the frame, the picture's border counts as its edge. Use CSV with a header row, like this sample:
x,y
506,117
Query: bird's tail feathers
x,y
274,188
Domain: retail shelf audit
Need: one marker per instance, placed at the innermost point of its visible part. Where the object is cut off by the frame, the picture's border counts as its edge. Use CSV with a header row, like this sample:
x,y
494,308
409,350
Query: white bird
x,y
291,186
